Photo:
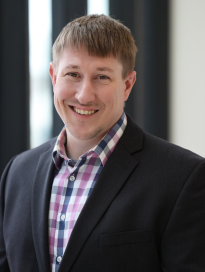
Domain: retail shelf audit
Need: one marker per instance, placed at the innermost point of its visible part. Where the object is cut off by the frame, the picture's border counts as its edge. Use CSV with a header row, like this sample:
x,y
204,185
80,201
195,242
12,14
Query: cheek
x,y
113,98
62,90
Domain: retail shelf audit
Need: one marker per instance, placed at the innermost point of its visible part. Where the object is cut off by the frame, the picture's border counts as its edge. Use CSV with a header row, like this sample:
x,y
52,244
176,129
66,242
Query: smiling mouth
x,y
83,112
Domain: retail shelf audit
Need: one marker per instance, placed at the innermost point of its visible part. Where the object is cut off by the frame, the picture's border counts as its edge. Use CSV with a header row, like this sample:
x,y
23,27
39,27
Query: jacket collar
x,y
40,207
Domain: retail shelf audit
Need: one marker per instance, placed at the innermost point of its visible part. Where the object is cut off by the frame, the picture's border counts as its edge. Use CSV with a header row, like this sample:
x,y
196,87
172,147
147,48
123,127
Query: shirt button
x,y
59,259
72,178
63,217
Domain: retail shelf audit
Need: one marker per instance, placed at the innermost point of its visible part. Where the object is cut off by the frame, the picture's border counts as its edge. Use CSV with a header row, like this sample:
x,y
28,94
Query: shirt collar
x,y
103,149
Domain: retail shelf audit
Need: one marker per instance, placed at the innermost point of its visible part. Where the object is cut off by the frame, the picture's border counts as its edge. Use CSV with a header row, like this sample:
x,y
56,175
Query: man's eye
x,y
73,74
102,77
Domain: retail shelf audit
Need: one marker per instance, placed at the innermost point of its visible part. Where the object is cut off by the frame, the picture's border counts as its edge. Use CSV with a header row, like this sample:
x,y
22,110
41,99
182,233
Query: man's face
x,y
89,93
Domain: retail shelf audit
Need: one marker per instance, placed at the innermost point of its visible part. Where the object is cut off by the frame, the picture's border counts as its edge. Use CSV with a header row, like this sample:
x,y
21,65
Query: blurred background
x,y
168,99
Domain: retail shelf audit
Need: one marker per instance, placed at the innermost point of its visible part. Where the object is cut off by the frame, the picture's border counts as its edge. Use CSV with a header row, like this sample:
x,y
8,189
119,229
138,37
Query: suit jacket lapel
x,y
40,207
113,176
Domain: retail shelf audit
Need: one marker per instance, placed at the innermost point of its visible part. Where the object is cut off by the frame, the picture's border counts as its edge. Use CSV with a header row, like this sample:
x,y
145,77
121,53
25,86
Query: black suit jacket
x,y
145,213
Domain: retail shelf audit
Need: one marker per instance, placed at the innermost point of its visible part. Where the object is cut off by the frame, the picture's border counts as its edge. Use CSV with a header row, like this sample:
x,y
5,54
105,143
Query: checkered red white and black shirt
x,y
72,184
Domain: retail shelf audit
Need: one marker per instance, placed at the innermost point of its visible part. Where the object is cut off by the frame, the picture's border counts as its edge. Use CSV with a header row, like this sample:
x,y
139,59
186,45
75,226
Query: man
x,y
104,195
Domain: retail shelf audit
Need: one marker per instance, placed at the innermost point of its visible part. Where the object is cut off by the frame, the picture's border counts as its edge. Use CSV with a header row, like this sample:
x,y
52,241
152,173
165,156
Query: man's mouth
x,y
83,112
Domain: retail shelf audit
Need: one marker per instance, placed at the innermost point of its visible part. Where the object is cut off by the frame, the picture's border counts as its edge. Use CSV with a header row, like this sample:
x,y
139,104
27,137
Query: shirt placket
x,y
64,216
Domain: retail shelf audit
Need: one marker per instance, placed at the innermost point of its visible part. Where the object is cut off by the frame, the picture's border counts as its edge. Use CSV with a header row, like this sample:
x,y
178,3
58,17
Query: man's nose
x,y
85,94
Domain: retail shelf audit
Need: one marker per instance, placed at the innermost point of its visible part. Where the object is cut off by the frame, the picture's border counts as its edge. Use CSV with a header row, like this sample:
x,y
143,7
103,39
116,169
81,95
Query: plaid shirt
x,y
73,183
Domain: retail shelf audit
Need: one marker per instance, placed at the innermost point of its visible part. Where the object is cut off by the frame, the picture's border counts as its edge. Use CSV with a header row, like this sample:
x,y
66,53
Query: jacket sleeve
x,y
4,267
183,241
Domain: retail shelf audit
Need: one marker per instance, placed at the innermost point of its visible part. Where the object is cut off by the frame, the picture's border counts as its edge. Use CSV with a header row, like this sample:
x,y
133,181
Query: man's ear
x,y
52,74
129,82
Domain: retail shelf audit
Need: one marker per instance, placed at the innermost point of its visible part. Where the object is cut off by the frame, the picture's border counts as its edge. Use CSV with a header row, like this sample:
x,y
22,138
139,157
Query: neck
x,y
77,147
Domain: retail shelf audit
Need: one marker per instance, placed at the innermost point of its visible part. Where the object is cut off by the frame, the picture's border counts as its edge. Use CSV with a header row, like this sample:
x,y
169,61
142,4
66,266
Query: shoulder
x,y
157,152
29,159
165,148
169,156
34,153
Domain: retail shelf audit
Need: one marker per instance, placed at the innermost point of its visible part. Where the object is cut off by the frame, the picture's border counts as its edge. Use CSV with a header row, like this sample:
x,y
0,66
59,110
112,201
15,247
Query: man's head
x,y
99,35
92,75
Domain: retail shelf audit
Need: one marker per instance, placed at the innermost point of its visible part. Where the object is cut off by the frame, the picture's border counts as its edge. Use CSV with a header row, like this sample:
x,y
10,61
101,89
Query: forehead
x,y
79,58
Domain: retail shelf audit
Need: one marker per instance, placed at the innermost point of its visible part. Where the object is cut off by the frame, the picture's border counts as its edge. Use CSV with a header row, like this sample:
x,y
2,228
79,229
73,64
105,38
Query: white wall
x,y
98,7
187,74
39,58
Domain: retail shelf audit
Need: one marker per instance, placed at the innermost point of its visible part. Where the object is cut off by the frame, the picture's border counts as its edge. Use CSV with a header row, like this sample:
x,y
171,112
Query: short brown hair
x,y
99,35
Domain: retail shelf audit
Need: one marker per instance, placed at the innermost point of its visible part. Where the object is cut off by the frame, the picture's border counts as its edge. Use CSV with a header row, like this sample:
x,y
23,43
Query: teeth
x,y
82,111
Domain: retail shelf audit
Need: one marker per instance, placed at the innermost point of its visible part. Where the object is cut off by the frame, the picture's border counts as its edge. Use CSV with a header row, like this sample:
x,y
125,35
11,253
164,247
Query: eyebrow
x,y
102,69
71,66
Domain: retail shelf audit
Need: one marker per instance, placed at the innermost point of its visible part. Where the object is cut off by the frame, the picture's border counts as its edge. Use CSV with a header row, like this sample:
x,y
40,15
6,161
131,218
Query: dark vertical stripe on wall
x,y
123,11
64,11
148,21
14,79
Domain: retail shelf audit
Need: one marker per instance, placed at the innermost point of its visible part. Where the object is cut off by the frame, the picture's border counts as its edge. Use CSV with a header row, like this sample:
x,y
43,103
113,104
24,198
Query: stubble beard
x,y
85,137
